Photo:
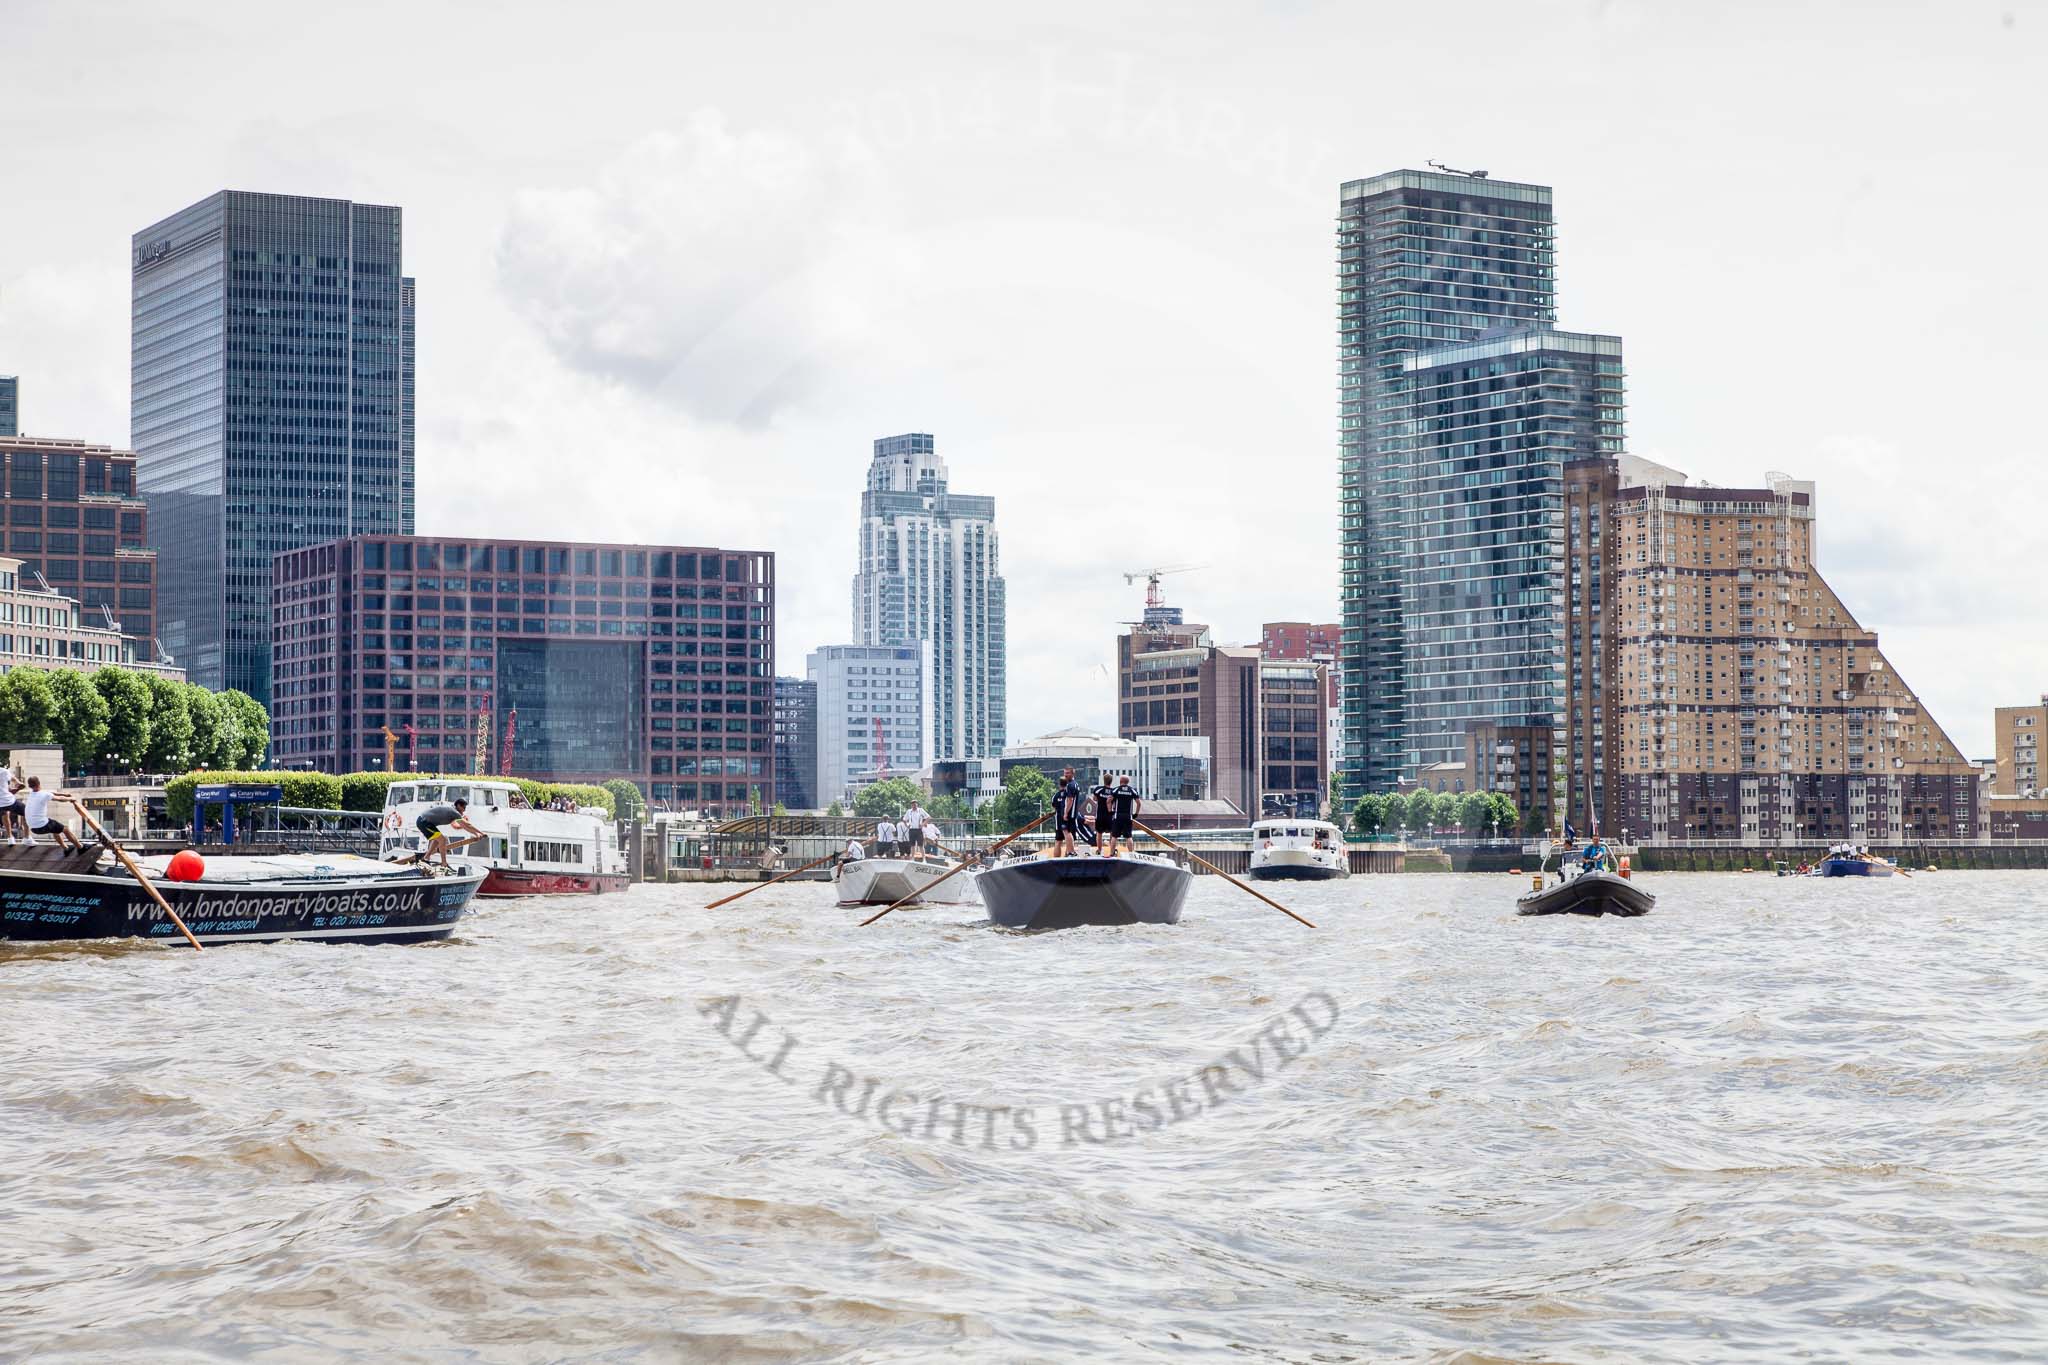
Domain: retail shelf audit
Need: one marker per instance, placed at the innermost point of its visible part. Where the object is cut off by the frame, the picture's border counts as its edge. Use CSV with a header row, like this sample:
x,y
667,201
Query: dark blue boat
x,y
1855,865
1065,893
48,894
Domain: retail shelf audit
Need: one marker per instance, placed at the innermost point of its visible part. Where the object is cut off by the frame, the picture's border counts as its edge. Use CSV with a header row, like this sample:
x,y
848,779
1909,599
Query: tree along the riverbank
x,y
118,720
1480,814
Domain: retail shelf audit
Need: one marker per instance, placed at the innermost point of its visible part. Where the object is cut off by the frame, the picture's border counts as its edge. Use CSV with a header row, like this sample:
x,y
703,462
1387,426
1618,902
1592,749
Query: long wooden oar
x,y
959,867
423,854
133,870
771,881
1220,872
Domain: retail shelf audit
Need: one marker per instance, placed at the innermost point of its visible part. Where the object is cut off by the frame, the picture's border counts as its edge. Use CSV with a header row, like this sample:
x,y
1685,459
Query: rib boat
x,y
885,881
1588,893
1065,893
49,893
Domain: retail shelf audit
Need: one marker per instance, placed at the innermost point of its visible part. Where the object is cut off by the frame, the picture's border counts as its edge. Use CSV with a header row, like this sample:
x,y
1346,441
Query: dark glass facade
x,y
1476,484
10,405
271,405
796,743
652,663
73,519
1424,260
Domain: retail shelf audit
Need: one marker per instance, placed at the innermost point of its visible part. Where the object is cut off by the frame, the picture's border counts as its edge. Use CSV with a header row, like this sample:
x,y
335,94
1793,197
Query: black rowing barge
x,y
47,894
1066,893
1589,893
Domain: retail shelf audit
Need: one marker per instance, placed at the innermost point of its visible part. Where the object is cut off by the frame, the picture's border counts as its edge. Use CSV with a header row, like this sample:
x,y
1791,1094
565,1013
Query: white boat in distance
x,y
885,881
1298,850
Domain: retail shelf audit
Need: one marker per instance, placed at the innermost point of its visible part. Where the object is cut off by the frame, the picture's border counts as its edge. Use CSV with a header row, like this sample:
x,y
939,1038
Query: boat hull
x,y
886,881
1066,893
509,881
1854,867
40,906
1294,865
1589,893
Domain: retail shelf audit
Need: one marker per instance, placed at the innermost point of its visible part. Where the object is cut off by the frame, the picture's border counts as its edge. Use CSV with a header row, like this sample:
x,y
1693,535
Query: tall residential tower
x,y
929,573
271,406
1425,260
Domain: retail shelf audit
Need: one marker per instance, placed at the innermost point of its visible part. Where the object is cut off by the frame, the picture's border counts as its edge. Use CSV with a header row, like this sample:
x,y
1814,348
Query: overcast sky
x,y
680,263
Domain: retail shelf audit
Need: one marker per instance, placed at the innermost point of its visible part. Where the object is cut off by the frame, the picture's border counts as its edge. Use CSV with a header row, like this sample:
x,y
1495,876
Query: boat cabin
x,y
518,835
1296,833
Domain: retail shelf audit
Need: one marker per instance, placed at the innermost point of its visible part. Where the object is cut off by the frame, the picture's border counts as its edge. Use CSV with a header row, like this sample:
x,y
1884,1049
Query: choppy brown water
x,y
1775,1116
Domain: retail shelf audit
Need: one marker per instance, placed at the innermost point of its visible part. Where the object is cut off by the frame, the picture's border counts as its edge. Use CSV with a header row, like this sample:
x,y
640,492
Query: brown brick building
x,y
1754,706
74,521
2019,732
1266,720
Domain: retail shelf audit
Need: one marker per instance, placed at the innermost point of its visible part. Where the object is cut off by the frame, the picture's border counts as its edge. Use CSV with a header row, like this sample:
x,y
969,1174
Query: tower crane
x,y
390,750
1154,598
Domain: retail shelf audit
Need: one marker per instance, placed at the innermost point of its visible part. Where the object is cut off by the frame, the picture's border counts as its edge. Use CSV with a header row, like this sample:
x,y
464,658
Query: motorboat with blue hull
x,y
1588,893
1067,893
1854,862
50,894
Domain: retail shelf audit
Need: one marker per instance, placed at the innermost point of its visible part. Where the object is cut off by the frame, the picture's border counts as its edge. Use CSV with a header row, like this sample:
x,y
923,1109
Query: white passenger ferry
x,y
527,852
1298,850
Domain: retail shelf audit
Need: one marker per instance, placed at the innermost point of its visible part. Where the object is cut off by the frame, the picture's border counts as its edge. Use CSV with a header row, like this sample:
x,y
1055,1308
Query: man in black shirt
x,y
1123,811
1066,814
432,822
1101,799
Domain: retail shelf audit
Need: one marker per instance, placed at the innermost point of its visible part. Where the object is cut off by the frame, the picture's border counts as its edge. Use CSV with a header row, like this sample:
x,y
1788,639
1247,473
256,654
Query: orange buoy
x,y
185,866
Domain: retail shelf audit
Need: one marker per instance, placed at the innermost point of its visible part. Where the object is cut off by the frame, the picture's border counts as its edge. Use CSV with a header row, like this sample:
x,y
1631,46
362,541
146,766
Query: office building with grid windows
x,y
271,405
10,405
545,659
76,525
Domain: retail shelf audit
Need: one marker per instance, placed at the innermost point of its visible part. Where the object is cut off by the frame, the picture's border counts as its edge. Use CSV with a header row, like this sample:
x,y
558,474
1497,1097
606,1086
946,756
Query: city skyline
x,y
1075,165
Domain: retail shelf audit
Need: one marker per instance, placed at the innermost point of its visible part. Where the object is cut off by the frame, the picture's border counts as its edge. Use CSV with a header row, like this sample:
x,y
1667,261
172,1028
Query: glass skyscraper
x,y
930,573
10,405
271,406
1476,482
1426,260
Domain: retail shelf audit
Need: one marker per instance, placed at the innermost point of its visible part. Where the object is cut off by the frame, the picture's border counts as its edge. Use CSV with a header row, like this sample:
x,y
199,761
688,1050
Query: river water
x,y
1777,1116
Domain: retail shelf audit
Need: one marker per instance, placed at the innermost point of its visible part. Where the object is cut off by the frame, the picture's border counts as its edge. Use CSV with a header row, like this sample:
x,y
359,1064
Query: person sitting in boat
x,y
931,832
854,852
1123,814
1066,815
432,822
1594,858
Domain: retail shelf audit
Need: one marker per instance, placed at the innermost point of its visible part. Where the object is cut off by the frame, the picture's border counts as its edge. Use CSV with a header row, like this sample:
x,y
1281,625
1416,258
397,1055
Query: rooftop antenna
x,y
1453,170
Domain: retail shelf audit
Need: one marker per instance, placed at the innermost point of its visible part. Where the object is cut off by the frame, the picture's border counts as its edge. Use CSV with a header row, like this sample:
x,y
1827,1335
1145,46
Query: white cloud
x,y
717,270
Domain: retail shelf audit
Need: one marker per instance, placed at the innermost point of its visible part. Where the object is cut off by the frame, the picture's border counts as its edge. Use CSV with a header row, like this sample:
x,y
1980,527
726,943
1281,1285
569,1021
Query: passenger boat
x,y
48,893
1298,850
885,881
1065,893
1846,860
526,852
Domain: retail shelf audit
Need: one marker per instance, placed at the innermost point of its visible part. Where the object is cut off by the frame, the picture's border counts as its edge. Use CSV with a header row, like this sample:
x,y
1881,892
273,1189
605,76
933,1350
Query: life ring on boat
x,y
392,820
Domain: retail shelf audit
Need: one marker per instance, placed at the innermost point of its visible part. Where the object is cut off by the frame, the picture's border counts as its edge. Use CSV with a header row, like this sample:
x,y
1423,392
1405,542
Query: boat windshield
x,y
400,795
430,791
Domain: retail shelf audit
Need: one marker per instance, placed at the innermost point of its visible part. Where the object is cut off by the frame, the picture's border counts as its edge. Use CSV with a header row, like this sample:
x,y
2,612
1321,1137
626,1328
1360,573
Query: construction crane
x,y
390,750
1154,598
1453,170
881,753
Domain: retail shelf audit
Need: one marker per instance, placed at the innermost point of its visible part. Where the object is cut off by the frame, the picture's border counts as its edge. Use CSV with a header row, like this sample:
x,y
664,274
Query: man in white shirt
x,y
885,839
854,852
913,829
35,804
